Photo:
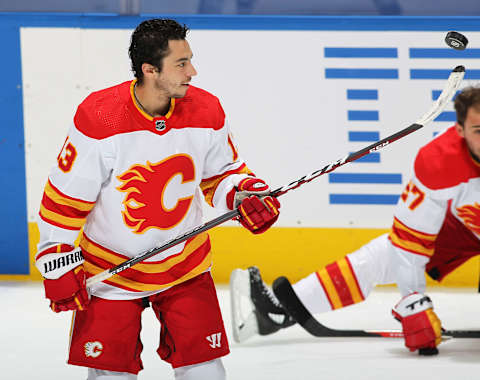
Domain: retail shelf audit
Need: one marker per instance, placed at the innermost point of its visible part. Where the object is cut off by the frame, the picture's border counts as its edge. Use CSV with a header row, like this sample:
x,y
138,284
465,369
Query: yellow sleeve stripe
x,y
209,186
64,220
63,200
410,246
417,234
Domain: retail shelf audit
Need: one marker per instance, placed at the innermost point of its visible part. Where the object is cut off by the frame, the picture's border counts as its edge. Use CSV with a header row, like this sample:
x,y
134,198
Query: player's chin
x,y
181,91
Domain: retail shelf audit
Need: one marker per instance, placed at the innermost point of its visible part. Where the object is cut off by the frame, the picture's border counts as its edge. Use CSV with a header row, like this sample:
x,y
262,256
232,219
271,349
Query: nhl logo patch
x,y
160,125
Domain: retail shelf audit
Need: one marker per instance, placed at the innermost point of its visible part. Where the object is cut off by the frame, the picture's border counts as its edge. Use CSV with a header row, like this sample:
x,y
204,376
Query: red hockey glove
x,y
257,211
68,292
65,280
421,327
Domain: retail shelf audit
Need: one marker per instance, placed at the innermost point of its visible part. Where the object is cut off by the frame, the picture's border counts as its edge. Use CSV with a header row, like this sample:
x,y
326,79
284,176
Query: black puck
x,y
428,351
456,40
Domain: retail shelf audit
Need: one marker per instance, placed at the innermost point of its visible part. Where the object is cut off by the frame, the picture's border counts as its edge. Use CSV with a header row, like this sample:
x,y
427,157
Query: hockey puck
x,y
456,40
428,351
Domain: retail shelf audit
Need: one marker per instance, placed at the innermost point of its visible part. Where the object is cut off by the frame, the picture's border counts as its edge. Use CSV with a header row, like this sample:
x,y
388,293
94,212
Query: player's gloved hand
x,y
421,327
257,210
68,292
65,279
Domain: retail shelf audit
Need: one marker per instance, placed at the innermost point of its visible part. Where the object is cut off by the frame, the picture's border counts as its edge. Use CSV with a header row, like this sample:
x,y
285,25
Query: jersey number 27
x,y
417,196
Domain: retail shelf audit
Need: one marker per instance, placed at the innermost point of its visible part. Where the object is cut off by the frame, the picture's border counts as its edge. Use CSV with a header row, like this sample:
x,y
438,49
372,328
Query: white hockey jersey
x,y
437,219
133,182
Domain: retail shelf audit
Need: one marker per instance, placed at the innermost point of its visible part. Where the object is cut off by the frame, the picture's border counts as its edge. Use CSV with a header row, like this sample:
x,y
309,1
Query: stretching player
x,y
436,228
130,172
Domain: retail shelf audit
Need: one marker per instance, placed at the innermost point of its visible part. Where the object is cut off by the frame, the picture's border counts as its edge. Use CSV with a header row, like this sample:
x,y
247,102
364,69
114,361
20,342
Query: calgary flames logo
x,y
145,187
470,216
93,349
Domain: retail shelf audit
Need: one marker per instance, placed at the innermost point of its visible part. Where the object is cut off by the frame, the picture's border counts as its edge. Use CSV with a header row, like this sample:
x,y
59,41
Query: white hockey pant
x,y
211,370
371,264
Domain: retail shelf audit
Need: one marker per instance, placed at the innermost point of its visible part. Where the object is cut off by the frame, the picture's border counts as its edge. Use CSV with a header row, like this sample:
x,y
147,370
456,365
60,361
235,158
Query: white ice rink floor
x,y
34,340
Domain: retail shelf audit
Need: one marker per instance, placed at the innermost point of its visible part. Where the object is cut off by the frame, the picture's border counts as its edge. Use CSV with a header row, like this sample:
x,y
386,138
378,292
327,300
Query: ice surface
x,y
34,343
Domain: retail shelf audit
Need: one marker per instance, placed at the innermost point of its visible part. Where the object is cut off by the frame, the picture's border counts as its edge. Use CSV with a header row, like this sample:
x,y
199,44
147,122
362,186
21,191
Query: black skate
x,y
265,314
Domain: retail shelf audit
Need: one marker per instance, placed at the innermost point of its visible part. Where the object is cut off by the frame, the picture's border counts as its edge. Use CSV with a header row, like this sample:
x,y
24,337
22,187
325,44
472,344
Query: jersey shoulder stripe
x,y
113,111
197,109
105,113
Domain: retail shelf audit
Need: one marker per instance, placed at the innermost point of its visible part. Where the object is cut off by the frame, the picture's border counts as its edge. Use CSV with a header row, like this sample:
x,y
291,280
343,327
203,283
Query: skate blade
x,y
244,322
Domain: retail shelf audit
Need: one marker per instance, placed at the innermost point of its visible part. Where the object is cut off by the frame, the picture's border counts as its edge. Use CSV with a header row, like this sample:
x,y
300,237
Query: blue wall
x,y
13,225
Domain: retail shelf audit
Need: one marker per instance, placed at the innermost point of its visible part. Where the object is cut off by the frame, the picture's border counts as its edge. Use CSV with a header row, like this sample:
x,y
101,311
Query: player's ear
x,y
148,69
460,129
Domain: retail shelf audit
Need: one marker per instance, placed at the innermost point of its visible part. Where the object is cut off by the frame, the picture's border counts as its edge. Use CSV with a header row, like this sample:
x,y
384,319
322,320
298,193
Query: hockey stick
x,y
284,292
453,83
286,295
319,330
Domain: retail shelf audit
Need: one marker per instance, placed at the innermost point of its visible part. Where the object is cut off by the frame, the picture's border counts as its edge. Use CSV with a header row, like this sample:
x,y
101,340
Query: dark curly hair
x,y
469,97
149,43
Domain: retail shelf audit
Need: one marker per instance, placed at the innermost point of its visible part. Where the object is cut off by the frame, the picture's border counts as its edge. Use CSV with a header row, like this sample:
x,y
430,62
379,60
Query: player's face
x,y
471,131
177,70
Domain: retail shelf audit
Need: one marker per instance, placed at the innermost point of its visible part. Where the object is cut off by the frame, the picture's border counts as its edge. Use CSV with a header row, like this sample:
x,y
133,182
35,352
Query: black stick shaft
x,y
352,157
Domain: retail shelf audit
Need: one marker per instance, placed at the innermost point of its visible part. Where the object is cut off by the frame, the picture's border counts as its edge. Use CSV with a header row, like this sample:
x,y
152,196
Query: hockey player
x,y
130,172
436,228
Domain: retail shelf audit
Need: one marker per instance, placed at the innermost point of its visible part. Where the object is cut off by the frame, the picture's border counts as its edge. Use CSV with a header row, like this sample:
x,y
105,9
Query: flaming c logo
x,y
470,216
145,187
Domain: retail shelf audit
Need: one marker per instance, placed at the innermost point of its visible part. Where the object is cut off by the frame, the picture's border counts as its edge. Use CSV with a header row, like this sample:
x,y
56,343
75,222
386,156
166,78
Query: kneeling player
x,y
436,228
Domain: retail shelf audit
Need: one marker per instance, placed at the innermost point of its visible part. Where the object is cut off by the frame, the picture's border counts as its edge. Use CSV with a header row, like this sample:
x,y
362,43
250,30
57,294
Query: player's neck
x,y
150,101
